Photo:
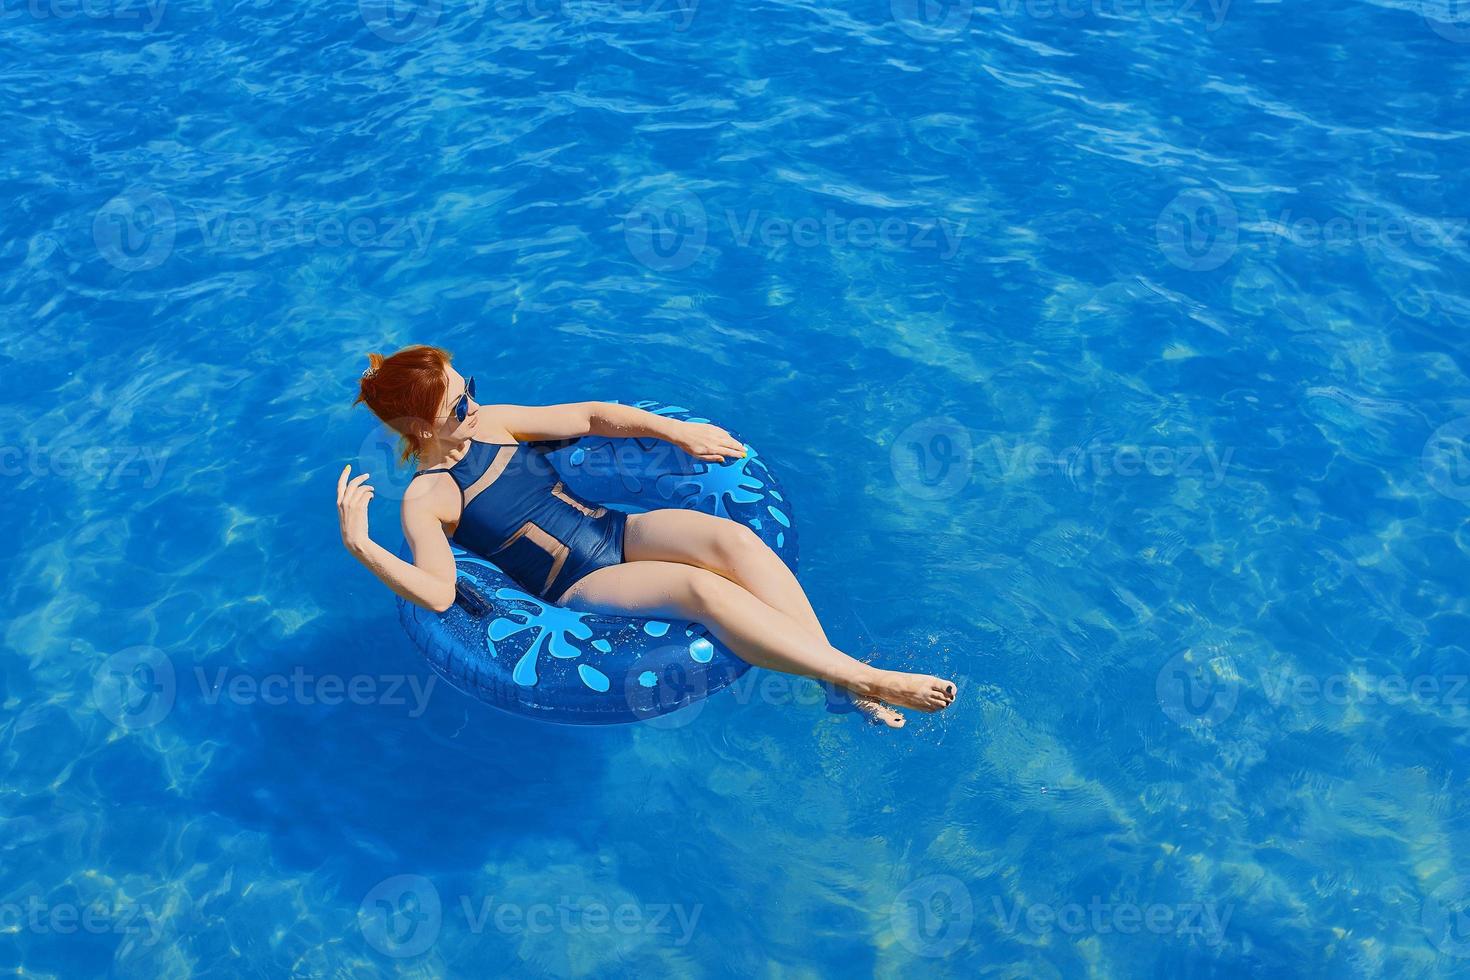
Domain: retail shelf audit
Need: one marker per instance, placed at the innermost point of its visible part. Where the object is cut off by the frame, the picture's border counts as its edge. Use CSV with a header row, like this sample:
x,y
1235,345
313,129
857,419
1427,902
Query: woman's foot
x,y
922,692
877,712
841,700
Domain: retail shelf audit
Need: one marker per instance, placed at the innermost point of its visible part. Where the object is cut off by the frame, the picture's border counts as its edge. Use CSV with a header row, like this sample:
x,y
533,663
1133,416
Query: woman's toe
x,y
941,695
888,717
879,713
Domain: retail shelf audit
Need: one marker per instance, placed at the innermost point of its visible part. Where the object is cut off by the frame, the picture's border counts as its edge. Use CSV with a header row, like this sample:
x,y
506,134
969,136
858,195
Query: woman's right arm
x,y
429,581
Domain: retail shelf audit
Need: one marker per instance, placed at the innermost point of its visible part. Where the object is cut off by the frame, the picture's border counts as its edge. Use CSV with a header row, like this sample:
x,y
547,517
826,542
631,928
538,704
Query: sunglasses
x,y
462,403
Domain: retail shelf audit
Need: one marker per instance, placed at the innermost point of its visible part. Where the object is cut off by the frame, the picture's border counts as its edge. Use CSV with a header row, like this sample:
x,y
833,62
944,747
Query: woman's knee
x,y
738,544
704,591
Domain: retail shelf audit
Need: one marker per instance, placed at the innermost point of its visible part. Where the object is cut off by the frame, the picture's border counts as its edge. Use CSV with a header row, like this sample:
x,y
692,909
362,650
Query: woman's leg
x,y
722,546
756,632
730,549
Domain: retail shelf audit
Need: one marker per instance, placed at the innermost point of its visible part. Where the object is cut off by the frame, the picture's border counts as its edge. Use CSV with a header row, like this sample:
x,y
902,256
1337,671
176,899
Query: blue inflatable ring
x,y
517,653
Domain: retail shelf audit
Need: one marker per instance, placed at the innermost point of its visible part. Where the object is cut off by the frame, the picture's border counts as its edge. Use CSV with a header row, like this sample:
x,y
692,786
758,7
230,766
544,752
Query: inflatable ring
x,y
517,653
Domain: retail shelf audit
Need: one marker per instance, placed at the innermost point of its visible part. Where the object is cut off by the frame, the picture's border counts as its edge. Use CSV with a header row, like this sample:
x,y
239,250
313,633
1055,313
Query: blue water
x,y
1114,358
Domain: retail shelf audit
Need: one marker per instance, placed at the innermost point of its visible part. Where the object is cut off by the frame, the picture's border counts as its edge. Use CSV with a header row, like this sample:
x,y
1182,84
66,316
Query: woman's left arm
x,y
529,423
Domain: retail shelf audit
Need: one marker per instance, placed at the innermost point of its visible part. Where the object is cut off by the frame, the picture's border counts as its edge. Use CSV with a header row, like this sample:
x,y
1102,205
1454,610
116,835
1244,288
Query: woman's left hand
x,y
707,442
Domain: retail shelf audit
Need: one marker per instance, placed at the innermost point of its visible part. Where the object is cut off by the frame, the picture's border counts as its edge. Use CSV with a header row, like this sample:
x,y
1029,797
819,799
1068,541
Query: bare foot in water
x,y
922,692
877,712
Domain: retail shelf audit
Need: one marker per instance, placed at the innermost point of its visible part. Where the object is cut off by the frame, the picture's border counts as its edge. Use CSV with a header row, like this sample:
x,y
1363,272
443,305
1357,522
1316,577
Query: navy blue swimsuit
x,y
518,514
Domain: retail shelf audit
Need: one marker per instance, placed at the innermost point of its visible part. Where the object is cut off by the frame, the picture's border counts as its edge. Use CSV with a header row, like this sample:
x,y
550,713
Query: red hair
x,y
405,391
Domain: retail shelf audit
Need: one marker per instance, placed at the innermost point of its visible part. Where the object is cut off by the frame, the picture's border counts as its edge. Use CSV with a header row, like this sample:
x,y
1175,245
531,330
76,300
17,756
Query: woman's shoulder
x,y
433,492
492,428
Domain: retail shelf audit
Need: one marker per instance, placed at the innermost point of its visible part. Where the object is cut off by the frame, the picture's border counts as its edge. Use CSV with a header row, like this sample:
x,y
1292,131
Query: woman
x,y
479,483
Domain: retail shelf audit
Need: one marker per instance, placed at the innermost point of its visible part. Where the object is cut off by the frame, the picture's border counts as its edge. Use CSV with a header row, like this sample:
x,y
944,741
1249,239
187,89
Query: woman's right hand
x,y
352,510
